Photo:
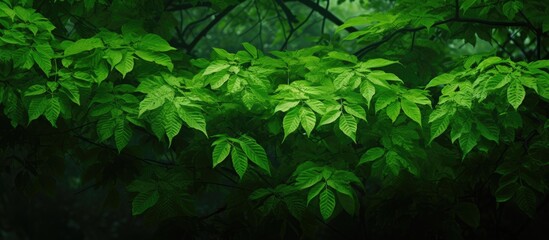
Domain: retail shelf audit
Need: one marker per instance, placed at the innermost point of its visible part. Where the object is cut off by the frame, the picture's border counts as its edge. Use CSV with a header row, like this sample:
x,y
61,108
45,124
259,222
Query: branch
x,y
186,6
289,15
293,30
389,36
205,31
325,13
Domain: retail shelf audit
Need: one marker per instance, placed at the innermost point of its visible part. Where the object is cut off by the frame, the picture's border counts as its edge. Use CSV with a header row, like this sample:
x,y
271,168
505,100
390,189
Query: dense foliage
x,y
274,119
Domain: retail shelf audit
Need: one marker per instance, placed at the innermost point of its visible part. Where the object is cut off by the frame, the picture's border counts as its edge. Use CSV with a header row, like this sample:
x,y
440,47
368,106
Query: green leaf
x,y
355,110
220,152
371,155
240,162
341,186
442,79
255,153
468,213
171,122
439,126
122,133
368,90
526,200
489,62
105,128
52,111
411,110
417,96
342,56
251,49
308,120
193,118
158,58
156,98
327,203
511,8
144,201
113,57
349,204
37,106
7,10
377,63
218,79
384,76
291,121
393,160
384,100
285,106
539,64
393,110
314,191
155,43
515,93
343,79
35,90
465,5
308,178
83,45
329,117
259,193
42,56
348,125
71,90
316,106
488,131
126,65
216,67
505,192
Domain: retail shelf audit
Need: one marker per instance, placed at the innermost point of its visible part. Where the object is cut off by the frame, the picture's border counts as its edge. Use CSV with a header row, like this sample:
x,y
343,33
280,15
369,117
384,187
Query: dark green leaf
x,y
371,155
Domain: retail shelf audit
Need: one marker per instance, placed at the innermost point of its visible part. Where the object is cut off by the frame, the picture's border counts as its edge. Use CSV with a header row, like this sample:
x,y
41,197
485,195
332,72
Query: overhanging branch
x,y
210,25
325,13
389,36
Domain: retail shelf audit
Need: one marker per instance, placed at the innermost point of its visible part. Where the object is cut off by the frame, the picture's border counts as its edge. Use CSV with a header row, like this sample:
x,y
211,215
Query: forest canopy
x,y
297,119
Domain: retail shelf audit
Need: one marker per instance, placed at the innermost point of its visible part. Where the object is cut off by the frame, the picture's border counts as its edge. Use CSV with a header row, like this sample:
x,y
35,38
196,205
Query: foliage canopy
x,y
275,118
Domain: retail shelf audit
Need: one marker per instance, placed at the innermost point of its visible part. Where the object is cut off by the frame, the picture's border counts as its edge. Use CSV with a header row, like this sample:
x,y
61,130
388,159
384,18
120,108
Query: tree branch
x,y
325,13
293,30
389,36
289,15
206,29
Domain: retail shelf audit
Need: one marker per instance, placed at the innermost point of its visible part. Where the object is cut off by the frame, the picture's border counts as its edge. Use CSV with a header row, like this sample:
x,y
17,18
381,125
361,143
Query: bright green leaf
x,y
308,120
220,152
393,110
291,121
515,93
348,125
255,153
411,110
240,162
314,191
155,43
